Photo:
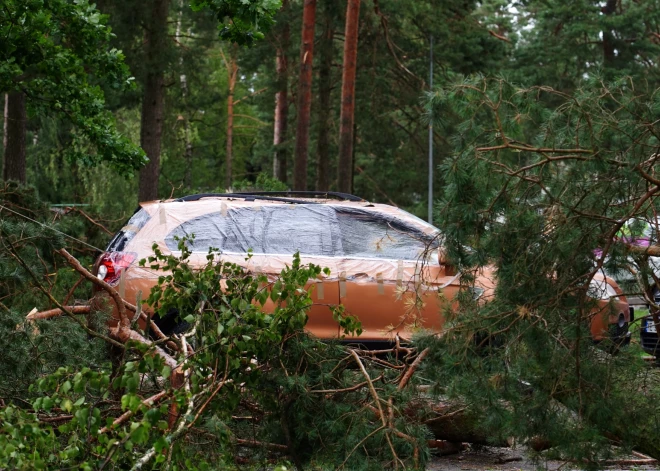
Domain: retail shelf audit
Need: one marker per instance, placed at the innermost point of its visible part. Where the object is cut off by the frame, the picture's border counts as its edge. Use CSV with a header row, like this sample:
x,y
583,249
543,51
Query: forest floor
x,y
507,459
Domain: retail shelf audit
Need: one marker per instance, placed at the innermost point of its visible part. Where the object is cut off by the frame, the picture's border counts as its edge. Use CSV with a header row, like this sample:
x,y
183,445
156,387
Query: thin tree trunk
x,y
6,120
15,136
304,95
151,130
345,164
187,179
232,72
608,37
281,104
188,153
324,112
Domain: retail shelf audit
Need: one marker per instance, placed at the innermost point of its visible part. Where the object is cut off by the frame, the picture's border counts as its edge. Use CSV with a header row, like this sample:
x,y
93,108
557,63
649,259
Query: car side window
x,y
224,232
369,235
126,234
309,229
278,229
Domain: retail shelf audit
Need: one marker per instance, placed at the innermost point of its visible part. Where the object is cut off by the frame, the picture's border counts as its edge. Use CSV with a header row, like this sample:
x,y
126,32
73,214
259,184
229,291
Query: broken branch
x,y
58,312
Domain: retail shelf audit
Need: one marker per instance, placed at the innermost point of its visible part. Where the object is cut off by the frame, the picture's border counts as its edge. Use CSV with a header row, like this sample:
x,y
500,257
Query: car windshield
x,y
311,229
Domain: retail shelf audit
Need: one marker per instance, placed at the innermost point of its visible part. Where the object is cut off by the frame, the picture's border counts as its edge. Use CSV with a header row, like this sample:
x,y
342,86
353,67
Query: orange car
x,y
386,264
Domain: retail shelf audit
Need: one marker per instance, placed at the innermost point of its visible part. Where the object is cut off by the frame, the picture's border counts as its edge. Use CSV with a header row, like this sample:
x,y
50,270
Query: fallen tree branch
x,y
58,418
128,414
445,447
91,332
73,289
256,444
49,314
344,390
122,304
90,219
376,399
124,320
124,335
651,250
499,36
413,367
374,432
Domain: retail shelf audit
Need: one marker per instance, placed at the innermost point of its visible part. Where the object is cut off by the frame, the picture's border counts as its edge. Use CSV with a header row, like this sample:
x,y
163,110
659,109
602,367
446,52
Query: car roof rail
x,y
276,196
331,195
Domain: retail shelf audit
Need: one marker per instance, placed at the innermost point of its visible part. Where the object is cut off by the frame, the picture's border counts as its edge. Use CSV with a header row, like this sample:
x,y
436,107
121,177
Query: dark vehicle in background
x,y
648,331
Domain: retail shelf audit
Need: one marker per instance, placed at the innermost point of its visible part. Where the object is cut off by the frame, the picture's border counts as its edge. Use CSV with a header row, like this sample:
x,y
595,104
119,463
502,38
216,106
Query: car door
x,y
385,278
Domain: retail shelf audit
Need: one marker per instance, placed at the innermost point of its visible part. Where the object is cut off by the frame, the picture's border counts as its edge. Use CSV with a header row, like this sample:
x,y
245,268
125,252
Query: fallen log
x,y
453,423
444,448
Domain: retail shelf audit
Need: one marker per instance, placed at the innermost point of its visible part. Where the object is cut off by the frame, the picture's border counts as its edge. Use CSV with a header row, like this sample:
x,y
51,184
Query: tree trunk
x,y
5,120
14,137
281,104
608,37
153,98
232,72
345,164
448,421
324,112
183,80
304,95
188,156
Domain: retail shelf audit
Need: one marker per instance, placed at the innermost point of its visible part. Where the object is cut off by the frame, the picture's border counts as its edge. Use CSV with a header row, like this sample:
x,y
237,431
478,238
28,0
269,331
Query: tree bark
x,y
15,137
281,104
345,164
608,37
232,72
304,95
450,422
153,98
5,121
324,112
188,154
183,80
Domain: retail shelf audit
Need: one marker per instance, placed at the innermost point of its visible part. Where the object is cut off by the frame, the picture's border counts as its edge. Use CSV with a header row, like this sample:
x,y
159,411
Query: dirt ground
x,y
506,459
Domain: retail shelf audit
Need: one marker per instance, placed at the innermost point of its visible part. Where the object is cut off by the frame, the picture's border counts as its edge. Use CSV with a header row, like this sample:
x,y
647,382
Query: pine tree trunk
x,y
304,95
5,121
345,164
183,80
608,37
324,112
153,98
15,136
281,104
232,71
187,178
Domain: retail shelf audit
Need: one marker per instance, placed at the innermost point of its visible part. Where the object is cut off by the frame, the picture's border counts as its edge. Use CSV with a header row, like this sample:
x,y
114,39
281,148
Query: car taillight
x,y
112,263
